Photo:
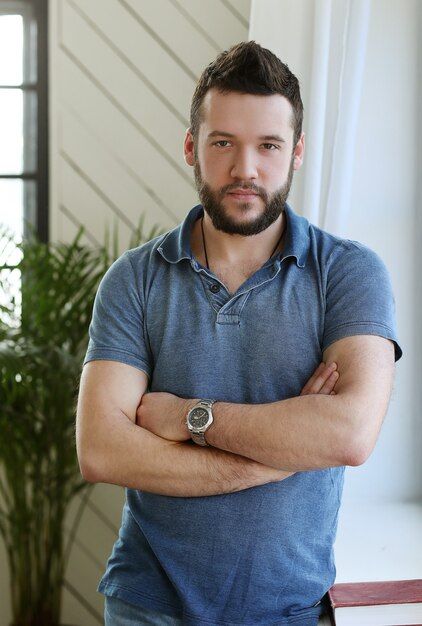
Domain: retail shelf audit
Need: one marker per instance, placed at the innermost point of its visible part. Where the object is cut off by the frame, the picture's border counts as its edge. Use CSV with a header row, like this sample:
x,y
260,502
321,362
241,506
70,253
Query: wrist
x,y
200,418
212,434
186,407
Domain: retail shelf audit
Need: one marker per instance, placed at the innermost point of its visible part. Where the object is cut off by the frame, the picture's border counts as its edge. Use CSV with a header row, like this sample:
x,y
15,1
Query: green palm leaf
x,y
41,353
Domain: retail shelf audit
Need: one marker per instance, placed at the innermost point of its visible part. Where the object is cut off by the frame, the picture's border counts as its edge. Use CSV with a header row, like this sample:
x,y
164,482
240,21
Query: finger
x,y
328,386
319,379
312,379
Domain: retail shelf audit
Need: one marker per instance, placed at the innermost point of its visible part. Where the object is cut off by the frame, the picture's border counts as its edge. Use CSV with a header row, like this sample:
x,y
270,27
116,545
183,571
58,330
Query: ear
x,y
188,148
299,152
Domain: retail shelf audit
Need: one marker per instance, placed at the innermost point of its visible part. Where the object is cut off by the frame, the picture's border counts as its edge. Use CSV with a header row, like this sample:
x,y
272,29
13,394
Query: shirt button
x,y
215,288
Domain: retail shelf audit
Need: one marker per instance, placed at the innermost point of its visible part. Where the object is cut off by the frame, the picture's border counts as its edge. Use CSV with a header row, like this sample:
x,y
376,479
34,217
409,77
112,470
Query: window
x,y
23,122
24,115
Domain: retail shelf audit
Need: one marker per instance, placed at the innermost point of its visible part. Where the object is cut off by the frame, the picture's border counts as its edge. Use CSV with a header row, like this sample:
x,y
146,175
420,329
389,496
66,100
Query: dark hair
x,y
247,67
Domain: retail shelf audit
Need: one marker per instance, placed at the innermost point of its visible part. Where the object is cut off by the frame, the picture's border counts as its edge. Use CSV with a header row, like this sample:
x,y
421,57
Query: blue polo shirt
x,y
264,555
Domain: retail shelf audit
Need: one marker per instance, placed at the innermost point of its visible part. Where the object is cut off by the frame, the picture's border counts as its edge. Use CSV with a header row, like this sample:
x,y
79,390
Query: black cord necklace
x,y
205,249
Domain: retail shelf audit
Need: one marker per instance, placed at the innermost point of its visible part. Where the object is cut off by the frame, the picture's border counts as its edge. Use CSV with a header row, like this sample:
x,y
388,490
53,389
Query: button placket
x,y
230,306
215,293
211,284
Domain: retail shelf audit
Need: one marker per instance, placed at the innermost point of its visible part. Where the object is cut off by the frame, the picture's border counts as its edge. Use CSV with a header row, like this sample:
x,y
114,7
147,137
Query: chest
x,y
257,344
234,278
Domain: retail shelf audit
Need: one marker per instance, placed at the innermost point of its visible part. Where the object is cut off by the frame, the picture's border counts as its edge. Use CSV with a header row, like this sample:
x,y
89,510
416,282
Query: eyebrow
x,y
221,133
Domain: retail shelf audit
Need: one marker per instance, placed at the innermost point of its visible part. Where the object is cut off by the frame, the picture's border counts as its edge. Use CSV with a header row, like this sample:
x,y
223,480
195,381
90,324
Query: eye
x,y
220,141
271,144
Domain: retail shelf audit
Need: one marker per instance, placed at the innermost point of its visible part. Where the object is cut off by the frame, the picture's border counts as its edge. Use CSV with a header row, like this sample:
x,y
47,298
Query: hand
x,y
164,414
322,380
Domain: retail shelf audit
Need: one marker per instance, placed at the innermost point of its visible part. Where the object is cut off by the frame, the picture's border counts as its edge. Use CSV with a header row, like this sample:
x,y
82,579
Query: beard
x,y
221,220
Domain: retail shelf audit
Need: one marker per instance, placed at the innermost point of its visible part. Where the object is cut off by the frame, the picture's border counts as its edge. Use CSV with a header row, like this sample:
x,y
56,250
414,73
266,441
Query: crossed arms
x,y
317,431
252,444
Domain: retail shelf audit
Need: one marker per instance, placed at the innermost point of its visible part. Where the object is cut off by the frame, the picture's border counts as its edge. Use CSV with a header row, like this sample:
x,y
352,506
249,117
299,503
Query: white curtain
x,y
324,44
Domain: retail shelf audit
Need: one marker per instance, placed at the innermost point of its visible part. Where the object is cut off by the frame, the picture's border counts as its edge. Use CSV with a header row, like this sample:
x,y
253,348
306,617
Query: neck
x,y
235,250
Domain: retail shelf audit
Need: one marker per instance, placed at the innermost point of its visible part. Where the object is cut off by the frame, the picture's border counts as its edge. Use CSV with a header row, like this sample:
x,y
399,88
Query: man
x,y
234,460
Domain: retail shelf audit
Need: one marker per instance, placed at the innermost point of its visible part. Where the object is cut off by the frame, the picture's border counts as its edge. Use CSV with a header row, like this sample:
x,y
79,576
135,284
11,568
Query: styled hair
x,y
248,68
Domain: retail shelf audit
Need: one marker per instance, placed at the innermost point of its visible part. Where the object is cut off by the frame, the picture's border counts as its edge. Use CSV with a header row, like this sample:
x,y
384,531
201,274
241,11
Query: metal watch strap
x,y
199,438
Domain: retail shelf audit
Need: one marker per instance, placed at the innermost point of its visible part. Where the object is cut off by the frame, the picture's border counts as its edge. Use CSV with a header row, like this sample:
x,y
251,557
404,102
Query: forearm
x,y
136,458
301,433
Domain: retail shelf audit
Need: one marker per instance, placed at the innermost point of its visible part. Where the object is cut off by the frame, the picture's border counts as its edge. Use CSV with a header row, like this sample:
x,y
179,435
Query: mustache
x,y
251,190
237,188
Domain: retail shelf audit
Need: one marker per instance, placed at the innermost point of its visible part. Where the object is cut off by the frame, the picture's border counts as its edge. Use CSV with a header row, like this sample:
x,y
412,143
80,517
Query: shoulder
x,y
138,263
333,250
146,254
131,271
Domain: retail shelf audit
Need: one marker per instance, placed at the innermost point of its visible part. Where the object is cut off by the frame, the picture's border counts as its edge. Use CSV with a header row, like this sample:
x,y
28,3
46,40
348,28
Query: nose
x,y
244,166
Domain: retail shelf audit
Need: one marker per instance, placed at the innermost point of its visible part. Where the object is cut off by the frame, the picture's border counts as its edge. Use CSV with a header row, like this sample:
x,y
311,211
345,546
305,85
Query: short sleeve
x,y
359,296
116,330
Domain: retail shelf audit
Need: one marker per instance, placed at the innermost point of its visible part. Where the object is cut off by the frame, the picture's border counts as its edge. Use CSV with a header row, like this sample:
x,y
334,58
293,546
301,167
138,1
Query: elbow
x,y
359,438
357,453
89,475
356,459
88,458
88,468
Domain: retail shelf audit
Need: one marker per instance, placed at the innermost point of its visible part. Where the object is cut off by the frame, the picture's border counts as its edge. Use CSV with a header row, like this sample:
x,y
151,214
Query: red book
x,y
381,603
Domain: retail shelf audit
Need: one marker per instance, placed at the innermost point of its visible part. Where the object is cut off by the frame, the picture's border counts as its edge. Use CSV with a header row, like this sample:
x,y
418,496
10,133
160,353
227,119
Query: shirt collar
x,y
175,245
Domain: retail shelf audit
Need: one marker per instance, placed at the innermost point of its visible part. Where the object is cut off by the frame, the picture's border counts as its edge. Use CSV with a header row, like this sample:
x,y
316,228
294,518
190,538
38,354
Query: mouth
x,y
242,195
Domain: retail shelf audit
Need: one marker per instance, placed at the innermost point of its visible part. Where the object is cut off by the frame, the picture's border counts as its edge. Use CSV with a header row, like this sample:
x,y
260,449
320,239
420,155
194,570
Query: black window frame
x,y
35,19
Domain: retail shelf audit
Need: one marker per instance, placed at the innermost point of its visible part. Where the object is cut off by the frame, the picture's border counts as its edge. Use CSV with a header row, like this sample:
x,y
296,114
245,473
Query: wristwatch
x,y
199,419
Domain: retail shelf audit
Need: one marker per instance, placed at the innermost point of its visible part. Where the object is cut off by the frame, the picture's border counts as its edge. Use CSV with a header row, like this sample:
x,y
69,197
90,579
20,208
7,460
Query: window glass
x,y
11,49
14,195
11,131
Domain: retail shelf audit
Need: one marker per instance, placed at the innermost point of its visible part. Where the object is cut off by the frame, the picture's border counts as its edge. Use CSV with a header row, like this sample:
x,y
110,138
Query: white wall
x,y
123,75
386,211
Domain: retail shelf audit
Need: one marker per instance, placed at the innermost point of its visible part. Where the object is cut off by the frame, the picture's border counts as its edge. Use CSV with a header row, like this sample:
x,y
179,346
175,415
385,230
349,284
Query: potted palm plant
x,y
43,339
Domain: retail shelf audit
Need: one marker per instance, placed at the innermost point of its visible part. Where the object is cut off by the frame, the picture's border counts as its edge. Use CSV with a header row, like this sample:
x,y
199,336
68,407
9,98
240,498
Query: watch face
x,y
198,418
